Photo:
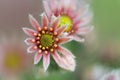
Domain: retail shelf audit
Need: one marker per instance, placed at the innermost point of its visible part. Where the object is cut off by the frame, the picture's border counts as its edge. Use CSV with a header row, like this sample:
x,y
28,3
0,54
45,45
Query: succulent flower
x,y
68,13
46,40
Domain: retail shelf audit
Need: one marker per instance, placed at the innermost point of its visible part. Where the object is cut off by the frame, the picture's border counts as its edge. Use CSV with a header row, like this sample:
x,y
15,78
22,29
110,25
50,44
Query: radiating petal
x,y
84,30
31,49
55,23
47,8
44,20
64,40
60,30
57,58
76,38
68,63
37,57
64,51
53,4
29,32
46,61
34,22
29,41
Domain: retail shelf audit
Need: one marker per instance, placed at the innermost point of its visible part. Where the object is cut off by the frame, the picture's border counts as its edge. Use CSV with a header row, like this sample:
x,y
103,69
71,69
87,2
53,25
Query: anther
x,y
47,47
56,39
43,48
55,33
55,45
35,34
38,42
46,52
33,40
40,46
45,28
38,38
51,29
39,51
39,34
43,32
39,29
35,47
51,50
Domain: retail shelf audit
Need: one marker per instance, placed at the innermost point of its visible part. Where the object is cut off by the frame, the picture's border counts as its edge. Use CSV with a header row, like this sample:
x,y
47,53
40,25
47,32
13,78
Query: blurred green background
x,y
101,47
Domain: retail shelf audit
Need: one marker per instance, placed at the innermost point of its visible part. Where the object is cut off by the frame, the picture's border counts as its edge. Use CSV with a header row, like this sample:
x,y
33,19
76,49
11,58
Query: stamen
x,y
39,29
39,51
35,34
51,29
40,46
33,40
43,48
55,33
35,47
38,42
38,38
46,52
51,50
43,32
45,28
39,34
56,39
55,45
47,47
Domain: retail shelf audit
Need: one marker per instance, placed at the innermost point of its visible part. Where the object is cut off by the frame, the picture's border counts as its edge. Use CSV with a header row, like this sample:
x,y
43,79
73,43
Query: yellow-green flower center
x,y
65,20
46,40
12,60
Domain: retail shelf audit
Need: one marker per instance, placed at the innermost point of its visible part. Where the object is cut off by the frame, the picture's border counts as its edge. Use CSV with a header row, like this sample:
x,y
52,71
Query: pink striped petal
x,y
57,58
76,38
65,52
68,63
31,49
44,20
55,23
60,30
84,30
46,61
64,40
37,57
29,41
47,8
34,22
29,32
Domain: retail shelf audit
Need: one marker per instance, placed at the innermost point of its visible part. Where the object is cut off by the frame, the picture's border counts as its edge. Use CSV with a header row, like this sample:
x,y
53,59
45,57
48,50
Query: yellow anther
x,y
43,48
40,46
51,50
51,29
56,39
43,32
39,34
45,28
55,33
47,47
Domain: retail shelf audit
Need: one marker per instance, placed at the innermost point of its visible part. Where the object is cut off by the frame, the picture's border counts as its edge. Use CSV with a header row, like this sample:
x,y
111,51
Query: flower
x,y
13,59
68,13
46,41
113,75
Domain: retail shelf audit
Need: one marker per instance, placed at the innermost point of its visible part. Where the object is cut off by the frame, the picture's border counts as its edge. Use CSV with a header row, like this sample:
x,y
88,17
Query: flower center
x,y
12,60
46,40
65,20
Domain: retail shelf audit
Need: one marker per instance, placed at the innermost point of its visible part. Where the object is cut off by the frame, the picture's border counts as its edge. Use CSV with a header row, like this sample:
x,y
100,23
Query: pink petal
x,y
65,52
47,8
29,41
64,40
76,38
57,58
29,32
68,63
55,23
84,30
44,20
53,4
37,57
60,30
34,22
31,49
46,61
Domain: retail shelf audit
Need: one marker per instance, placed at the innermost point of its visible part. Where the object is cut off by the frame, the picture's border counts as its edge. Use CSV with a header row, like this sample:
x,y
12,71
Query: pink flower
x,y
68,13
46,40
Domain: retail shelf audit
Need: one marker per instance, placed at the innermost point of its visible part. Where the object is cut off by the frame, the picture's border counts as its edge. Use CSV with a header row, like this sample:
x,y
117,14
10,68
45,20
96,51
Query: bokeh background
x,y
97,56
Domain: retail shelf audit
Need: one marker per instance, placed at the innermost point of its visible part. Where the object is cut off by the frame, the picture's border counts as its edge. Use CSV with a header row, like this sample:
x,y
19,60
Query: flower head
x,y
46,41
69,15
